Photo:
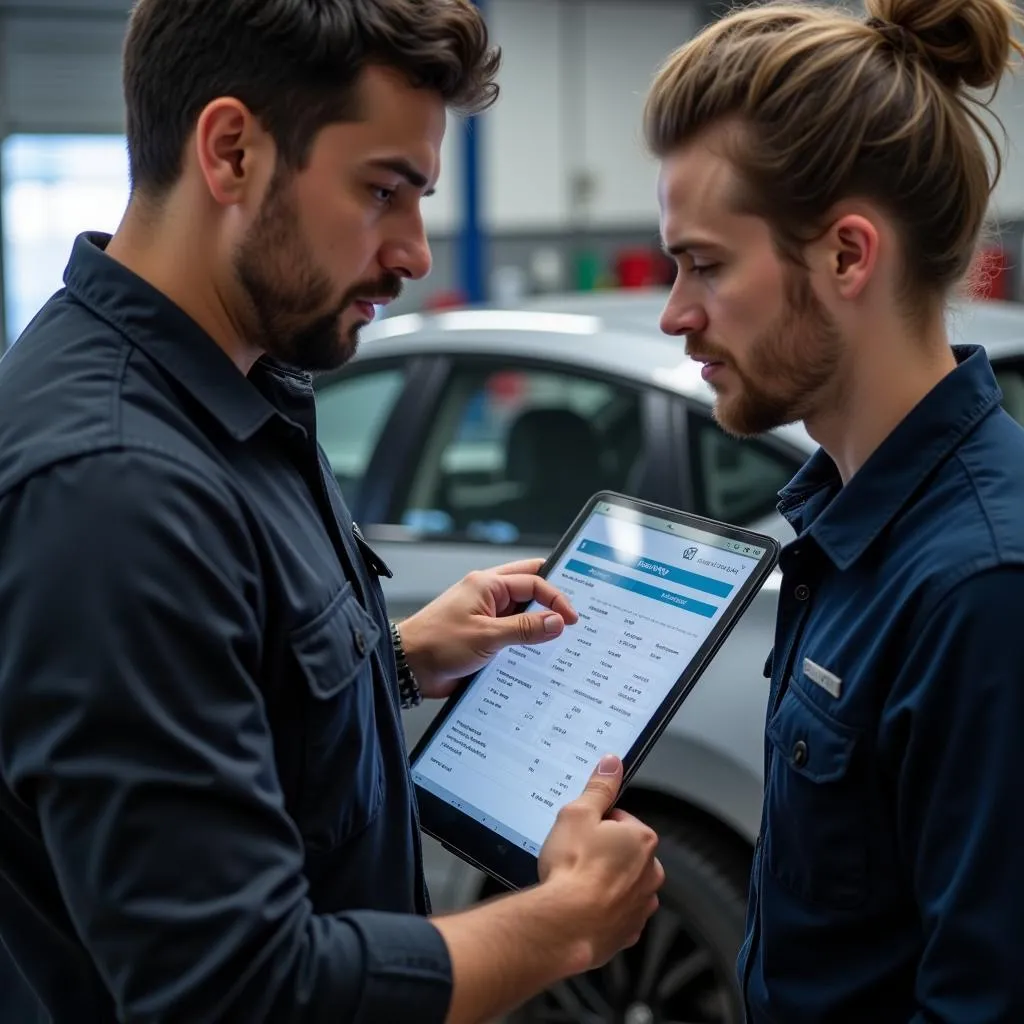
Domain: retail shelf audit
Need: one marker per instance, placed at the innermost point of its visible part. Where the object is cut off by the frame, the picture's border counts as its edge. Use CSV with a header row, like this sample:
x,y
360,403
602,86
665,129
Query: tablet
x,y
657,592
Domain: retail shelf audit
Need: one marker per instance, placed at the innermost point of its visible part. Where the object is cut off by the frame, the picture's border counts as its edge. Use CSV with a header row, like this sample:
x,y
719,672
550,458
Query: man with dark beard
x,y
823,186
206,812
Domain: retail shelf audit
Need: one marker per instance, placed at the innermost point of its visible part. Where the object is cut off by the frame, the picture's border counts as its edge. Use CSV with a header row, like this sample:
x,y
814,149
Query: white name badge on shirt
x,y
828,681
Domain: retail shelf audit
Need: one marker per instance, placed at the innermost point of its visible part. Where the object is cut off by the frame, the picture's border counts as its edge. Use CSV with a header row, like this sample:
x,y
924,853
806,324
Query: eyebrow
x,y
685,245
404,169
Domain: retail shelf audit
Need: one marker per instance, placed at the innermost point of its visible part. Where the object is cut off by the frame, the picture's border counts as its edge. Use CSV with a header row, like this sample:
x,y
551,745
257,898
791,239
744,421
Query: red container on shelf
x,y
990,275
636,268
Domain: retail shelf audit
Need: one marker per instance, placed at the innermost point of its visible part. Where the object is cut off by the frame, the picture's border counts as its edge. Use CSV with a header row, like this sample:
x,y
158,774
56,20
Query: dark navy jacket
x,y
888,883
205,805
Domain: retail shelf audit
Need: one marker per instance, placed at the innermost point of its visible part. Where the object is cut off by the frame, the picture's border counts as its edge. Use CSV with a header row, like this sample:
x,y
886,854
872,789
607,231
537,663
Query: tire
x,y
683,967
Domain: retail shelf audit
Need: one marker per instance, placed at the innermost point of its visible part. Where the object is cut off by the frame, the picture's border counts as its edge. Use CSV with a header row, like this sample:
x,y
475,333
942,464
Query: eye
x,y
382,194
704,269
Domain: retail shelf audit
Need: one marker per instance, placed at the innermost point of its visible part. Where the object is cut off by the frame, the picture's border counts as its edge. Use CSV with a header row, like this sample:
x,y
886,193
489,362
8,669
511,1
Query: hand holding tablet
x,y
599,879
614,852
478,617
657,592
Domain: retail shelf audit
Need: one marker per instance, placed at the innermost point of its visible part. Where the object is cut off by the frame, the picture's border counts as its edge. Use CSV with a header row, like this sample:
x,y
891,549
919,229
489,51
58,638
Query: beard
x,y
294,315
790,369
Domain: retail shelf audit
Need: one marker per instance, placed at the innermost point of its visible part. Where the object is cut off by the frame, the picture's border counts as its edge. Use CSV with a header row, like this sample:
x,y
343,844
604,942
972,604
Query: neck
x,y
162,247
891,375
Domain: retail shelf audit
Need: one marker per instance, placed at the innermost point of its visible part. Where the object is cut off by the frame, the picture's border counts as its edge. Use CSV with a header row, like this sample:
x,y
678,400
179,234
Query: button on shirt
x,y
205,805
888,885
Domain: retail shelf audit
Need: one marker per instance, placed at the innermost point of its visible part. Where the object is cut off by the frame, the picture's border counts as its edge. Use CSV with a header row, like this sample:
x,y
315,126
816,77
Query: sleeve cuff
x,y
408,968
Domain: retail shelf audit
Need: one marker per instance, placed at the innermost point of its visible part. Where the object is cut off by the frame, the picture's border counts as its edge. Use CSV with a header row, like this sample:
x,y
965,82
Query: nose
x,y
407,252
682,314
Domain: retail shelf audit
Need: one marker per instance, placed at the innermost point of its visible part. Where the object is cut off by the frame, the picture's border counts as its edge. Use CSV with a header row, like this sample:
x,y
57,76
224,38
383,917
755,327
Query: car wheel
x,y
683,967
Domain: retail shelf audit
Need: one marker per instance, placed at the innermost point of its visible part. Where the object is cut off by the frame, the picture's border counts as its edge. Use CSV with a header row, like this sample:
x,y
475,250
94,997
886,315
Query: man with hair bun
x,y
823,185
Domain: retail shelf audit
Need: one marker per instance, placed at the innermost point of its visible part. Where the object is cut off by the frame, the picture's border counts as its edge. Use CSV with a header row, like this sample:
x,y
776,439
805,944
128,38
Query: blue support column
x,y
472,243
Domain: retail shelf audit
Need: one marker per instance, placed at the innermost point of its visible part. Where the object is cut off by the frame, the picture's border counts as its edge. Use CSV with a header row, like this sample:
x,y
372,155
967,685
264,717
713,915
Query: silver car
x,y
464,439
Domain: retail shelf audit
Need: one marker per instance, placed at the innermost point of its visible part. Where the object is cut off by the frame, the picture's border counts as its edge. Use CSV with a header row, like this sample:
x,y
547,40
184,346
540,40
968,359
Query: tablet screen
x,y
527,732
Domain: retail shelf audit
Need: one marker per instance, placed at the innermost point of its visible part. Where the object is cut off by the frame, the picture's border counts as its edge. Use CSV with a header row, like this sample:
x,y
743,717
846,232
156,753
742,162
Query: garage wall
x,y
564,174
560,150
62,74
562,146
1008,199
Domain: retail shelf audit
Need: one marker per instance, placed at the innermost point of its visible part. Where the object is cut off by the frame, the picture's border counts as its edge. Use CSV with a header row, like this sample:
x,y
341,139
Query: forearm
x,y
508,950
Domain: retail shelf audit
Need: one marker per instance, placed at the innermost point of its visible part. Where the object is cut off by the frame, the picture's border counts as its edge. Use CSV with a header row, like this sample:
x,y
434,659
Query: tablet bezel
x,y
500,858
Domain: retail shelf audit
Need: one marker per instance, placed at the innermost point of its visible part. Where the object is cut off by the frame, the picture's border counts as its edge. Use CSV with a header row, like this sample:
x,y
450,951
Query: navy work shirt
x,y
205,805
888,884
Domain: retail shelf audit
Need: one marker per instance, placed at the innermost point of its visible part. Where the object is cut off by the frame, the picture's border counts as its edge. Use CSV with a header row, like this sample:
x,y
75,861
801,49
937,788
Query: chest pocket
x,y
817,841
341,782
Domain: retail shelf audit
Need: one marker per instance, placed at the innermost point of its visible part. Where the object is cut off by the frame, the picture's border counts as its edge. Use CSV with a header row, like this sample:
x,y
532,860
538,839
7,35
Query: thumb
x,y
528,628
603,785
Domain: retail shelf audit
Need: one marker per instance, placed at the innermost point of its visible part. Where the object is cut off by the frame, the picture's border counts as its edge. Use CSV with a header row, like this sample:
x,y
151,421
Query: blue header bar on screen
x,y
595,572
669,573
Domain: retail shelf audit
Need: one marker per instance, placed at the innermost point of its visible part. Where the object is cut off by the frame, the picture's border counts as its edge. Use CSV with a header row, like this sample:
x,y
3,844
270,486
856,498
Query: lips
x,y
709,366
367,308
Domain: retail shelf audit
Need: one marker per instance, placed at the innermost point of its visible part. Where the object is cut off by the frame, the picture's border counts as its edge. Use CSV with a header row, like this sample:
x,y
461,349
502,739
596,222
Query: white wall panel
x,y
623,45
1008,199
441,210
523,145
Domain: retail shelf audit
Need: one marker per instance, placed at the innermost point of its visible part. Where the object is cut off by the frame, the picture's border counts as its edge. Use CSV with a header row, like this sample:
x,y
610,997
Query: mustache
x,y
388,287
703,352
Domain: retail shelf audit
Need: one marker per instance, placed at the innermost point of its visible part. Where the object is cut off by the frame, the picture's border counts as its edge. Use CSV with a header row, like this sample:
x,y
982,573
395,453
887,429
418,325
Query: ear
x,y
234,153
850,248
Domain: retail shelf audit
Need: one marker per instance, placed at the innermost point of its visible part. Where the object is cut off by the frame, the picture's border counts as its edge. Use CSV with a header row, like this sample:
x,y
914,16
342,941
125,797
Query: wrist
x,y
505,951
409,690
569,908
419,653
411,643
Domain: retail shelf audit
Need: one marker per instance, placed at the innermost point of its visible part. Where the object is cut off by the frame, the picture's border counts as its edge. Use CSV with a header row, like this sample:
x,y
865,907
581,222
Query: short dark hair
x,y
294,63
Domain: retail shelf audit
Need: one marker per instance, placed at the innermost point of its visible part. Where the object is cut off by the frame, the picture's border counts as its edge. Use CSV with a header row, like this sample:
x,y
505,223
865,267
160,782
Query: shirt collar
x,y
844,521
173,340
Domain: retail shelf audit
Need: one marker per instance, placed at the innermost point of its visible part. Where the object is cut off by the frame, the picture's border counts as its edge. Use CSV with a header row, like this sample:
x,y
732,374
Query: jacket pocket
x,y
816,843
342,774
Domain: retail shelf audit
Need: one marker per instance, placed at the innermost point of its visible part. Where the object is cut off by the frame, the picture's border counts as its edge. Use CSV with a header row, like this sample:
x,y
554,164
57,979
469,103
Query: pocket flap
x,y
333,648
816,747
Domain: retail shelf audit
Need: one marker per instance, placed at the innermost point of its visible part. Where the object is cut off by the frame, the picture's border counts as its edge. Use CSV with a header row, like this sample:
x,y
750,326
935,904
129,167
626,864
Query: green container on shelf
x,y
588,271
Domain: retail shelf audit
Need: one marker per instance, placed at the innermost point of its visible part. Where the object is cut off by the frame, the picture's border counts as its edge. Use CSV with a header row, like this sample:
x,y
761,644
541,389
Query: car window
x,y
735,480
351,413
513,454
1010,376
